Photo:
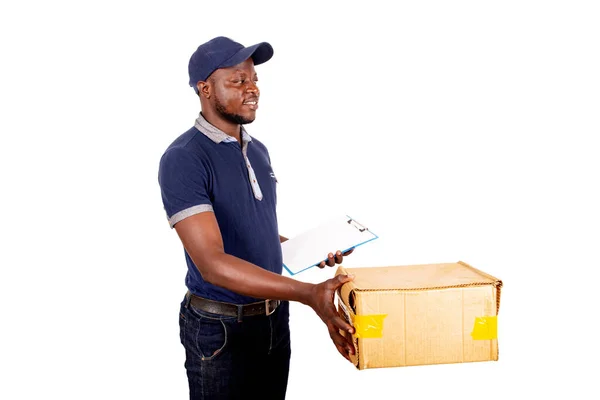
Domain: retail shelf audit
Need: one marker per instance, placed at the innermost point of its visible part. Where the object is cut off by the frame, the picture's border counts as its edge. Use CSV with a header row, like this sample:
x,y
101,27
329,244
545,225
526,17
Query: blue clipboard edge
x,y
343,251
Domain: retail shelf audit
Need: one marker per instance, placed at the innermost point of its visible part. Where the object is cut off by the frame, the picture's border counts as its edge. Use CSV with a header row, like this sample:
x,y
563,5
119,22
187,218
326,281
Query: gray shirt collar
x,y
217,135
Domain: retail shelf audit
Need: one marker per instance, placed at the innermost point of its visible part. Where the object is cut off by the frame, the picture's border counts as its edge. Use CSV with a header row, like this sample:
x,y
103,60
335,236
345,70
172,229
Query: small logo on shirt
x,y
273,176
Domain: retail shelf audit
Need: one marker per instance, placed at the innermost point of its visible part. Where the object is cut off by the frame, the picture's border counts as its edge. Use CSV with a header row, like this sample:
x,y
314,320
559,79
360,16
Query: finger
x,y
344,339
341,341
340,279
330,260
338,257
341,324
322,264
341,350
337,337
349,343
347,253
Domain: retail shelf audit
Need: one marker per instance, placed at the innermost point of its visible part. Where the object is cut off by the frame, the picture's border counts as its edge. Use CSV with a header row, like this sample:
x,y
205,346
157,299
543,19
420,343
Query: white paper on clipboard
x,y
309,248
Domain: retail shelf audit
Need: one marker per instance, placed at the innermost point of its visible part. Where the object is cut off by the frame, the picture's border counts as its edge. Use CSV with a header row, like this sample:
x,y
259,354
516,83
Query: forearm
x,y
248,279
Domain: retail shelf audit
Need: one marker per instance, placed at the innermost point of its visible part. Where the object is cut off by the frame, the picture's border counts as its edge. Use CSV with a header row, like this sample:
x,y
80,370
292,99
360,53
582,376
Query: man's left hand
x,y
335,259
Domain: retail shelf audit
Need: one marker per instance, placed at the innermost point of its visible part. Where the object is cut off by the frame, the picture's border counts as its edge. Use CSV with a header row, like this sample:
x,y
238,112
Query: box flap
x,y
417,277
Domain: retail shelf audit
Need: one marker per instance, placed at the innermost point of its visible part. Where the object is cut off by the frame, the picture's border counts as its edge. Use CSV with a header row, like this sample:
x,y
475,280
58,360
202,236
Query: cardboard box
x,y
421,314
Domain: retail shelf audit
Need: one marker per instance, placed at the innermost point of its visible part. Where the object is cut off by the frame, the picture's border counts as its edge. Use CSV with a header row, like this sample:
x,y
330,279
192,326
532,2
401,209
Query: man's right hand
x,y
322,301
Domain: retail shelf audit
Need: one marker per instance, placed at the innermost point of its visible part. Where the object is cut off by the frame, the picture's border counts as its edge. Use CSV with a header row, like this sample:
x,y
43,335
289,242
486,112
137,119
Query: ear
x,y
204,89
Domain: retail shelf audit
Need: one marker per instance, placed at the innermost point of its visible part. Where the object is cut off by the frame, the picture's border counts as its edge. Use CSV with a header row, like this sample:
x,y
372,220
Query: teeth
x,y
250,102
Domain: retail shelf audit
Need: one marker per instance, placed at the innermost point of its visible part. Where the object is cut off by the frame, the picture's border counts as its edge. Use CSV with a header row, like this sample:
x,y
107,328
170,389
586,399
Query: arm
x,y
201,237
202,240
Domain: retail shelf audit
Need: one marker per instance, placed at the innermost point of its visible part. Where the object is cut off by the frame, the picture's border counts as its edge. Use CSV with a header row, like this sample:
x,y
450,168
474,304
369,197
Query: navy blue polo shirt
x,y
206,170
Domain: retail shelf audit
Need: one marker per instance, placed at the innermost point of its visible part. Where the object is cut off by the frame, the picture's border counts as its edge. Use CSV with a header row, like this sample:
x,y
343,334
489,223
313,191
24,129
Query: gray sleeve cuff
x,y
188,212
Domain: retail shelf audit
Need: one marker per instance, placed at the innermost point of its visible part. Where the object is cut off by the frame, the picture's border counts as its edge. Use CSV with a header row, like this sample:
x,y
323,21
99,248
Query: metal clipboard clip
x,y
357,225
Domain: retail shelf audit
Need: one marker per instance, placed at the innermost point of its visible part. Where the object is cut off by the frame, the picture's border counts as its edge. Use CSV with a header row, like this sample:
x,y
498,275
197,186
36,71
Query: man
x,y
219,192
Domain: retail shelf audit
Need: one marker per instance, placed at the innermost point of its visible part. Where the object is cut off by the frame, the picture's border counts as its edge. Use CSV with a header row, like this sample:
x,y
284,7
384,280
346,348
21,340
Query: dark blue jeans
x,y
227,359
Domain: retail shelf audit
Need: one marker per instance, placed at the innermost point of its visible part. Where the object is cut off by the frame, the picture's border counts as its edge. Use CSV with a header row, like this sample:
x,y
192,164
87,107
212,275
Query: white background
x,y
456,130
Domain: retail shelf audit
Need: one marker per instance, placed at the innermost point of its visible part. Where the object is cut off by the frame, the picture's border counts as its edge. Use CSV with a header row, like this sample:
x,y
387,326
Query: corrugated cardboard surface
x,y
430,313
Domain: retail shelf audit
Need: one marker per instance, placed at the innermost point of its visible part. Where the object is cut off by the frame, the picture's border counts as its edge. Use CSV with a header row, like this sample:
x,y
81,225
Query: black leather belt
x,y
266,307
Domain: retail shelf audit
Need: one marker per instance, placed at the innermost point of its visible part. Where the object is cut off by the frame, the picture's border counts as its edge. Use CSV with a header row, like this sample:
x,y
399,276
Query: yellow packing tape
x,y
368,326
486,328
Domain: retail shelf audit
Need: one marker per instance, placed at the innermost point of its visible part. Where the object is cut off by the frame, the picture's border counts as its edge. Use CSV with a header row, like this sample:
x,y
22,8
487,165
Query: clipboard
x,y
309,248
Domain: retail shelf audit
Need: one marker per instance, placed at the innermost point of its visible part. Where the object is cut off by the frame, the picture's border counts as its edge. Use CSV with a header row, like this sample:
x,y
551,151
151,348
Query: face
x,y
234,92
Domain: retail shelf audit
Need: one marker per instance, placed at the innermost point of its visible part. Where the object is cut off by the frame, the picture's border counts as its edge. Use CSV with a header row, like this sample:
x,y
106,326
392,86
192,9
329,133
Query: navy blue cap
x,y
222,52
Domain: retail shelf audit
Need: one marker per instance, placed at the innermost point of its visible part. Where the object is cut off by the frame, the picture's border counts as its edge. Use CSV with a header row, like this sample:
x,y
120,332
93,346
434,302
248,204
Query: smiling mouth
x,y
253,104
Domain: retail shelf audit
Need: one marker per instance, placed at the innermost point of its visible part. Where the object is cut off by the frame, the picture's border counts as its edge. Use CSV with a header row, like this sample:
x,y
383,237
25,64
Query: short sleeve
x,y
184,185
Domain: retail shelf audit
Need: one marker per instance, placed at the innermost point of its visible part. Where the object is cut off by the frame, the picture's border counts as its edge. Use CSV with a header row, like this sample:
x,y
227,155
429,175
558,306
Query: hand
x,y
322,301
331,260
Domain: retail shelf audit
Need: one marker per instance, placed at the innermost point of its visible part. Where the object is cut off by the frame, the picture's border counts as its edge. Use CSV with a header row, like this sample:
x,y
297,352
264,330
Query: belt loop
x,y
188,299
240,312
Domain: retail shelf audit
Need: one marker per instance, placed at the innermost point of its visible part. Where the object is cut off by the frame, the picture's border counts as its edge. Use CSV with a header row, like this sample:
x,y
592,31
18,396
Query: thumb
x,y
341,279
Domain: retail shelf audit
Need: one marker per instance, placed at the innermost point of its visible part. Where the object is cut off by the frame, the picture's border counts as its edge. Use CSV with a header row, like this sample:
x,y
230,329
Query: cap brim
x,y
260,53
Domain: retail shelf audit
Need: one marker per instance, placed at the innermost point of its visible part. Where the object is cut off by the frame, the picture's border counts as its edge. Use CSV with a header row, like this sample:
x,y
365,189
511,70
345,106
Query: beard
x,y
231,117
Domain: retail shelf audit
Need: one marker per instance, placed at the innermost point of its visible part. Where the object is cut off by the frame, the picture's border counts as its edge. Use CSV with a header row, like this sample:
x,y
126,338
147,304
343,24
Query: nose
x,y
253,88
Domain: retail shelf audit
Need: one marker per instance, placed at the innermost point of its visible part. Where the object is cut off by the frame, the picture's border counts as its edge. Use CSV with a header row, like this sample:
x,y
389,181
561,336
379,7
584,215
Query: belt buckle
x,y
268,309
